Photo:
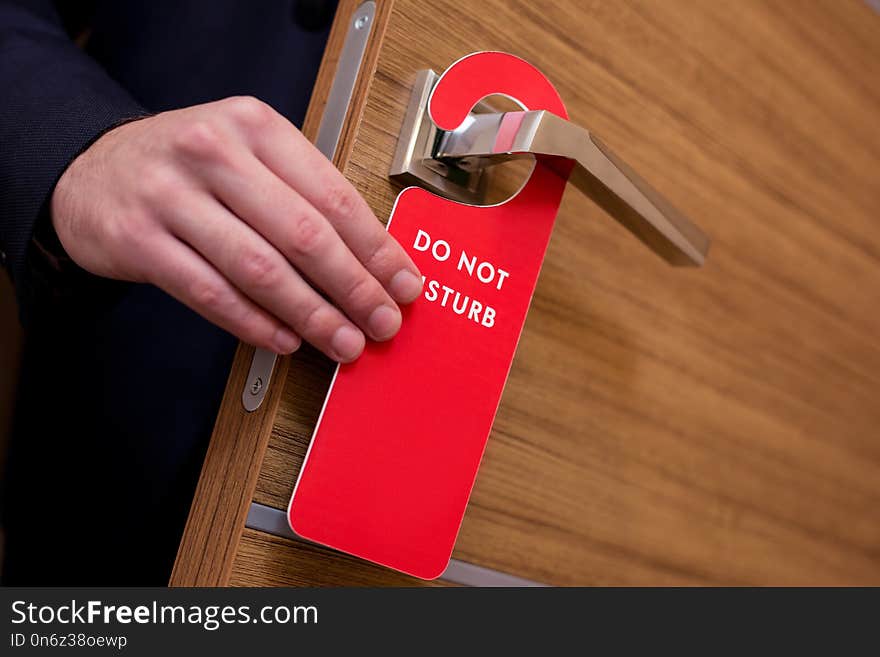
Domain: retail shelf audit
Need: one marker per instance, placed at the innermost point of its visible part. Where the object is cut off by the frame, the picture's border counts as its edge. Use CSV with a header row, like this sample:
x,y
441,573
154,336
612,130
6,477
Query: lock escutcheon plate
x,y
413,162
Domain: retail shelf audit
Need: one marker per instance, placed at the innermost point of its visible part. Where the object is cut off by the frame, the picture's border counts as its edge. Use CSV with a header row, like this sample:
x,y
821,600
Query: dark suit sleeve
x,y
54,102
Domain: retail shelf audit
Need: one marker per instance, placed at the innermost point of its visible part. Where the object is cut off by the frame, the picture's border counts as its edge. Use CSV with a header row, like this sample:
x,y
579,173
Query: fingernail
x,y
383,322
405,286
348,343
285,341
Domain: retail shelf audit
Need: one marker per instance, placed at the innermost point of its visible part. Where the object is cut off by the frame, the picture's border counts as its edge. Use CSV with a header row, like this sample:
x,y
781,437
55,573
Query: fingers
x,y
286,220
292,158
264,275
191,280
306,239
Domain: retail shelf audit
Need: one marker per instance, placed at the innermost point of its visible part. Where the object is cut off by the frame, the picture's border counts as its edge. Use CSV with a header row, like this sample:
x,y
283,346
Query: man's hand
x,y
228,208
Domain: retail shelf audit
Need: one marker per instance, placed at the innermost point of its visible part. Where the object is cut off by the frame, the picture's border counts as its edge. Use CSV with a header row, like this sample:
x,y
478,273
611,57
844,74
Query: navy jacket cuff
x,y
56,102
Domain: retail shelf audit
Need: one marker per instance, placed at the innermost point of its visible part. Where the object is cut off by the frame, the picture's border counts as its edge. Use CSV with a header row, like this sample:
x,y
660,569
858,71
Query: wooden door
x,y
660,426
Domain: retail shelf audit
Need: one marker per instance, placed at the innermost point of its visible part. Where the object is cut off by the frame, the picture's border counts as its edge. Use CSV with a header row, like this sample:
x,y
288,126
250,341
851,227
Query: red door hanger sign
x,y
396,450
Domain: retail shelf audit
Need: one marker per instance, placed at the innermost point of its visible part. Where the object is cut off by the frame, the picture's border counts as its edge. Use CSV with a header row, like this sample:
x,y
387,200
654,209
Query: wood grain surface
x,y
267,560
665,426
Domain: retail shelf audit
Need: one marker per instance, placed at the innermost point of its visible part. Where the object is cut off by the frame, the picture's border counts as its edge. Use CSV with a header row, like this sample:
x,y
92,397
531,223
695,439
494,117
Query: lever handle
x,y
485,139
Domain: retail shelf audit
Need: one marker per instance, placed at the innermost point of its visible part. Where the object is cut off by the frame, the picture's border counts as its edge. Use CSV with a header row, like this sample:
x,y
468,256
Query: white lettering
x,y
461,304
445,246
474,312
446,292
16,608
422,235
488,277
467,264
431,292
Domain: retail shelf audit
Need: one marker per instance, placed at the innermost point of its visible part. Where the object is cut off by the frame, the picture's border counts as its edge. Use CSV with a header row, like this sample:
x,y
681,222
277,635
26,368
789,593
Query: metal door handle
x,y
451,164
485,139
